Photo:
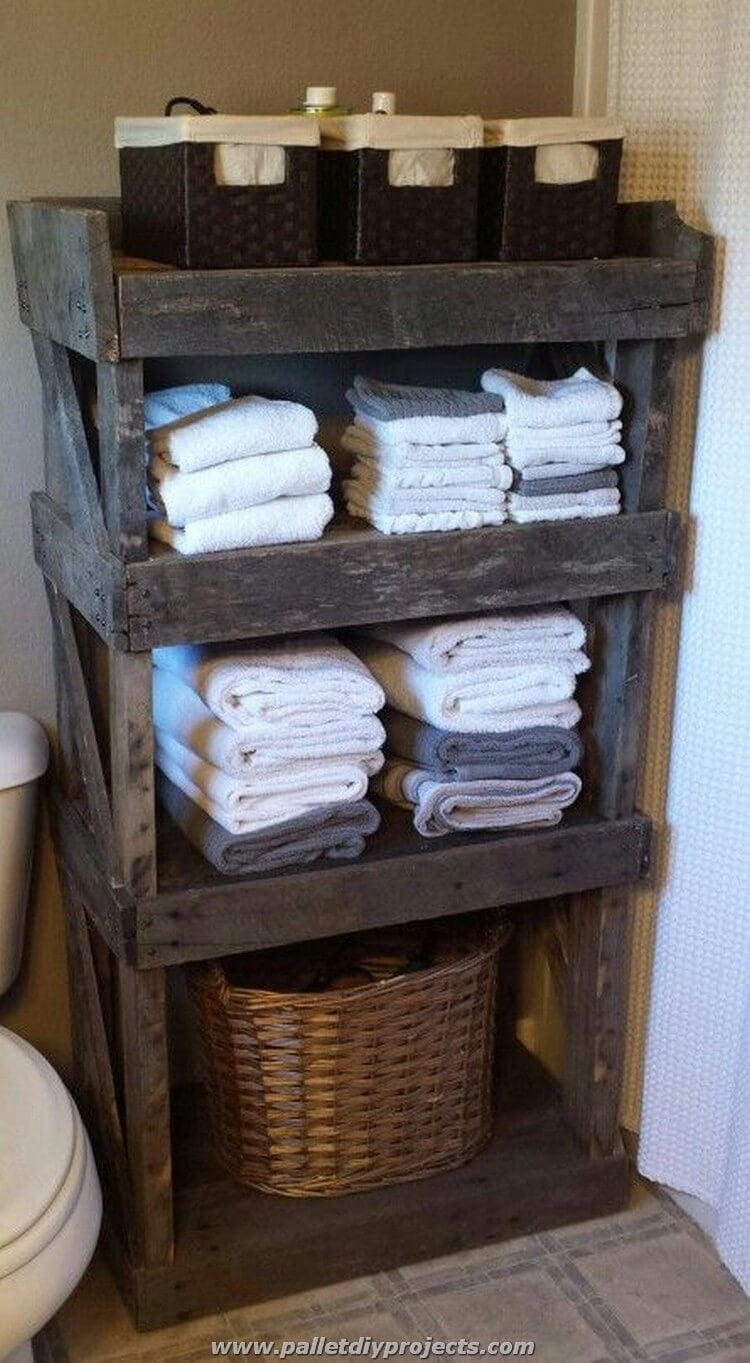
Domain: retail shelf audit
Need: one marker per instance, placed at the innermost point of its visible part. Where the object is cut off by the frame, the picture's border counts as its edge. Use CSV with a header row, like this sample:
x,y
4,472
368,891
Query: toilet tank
x,y
24,755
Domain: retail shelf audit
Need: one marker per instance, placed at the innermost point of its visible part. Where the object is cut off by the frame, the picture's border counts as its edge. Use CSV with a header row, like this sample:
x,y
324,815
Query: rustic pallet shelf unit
x,y
140,901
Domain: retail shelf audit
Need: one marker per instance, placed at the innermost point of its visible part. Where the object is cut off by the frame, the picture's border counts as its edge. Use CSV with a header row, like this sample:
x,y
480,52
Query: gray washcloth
x,y
397,401
572,482
337,832
520,755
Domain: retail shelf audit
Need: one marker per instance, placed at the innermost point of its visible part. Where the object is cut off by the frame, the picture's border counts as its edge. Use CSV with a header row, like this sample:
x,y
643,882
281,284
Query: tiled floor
x,y
644,1285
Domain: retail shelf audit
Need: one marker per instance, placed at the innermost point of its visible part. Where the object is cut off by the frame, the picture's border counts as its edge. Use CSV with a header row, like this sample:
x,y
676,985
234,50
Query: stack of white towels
x,y
229,473
563,442
272,746
425,458
505,684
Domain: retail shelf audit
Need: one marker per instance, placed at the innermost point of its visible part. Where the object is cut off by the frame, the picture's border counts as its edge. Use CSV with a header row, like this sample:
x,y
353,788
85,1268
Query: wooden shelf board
x,y
352,576
234,1246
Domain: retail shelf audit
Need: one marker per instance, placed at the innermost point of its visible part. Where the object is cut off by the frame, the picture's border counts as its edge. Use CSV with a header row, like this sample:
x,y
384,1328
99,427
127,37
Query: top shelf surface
x,y
66,262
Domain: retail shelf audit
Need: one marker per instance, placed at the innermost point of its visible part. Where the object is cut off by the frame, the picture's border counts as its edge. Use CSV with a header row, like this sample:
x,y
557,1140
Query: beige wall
x,y
67,67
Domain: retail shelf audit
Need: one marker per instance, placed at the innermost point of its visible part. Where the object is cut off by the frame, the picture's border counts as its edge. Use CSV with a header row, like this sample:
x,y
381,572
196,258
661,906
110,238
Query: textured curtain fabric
x,y
679,76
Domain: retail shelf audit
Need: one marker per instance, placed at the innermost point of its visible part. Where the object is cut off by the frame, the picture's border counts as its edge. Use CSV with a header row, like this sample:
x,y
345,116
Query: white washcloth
x,y
296,684
600,496
368,486
478,701
479,641
477,473
180,713
239,483
416,523
169,404
442,807
480,428
595,433
286,520
560,513
572,457
357,439
554,402
236,430
561,469
241,806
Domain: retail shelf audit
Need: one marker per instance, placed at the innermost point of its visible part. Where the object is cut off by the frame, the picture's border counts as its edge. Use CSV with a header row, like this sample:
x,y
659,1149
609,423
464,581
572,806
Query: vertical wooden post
x,y
122,458
621,627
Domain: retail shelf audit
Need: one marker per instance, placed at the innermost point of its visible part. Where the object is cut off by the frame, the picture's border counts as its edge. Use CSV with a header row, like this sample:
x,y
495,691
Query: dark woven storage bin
x,y
313,1094
174,211
367,221
522,219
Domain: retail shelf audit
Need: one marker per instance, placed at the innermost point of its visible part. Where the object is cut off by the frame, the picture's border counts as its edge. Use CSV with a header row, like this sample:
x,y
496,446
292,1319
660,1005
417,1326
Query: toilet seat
x,y
41,1153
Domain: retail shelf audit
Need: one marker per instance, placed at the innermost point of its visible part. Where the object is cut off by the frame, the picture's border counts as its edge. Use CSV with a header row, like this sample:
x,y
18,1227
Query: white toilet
x,y
50,1200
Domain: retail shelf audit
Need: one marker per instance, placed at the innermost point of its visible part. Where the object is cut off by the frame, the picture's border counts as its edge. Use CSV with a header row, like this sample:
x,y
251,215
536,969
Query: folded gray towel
x,y
569,482
396,401
520,755
337,832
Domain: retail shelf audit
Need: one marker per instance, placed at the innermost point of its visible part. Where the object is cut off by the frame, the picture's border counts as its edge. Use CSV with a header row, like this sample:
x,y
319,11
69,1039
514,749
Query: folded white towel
x,y
169,404
415,523
236,430
554,402
477,473
595,433
295,684
479,641
442,807
241,806
237,484
180,713
601,496
368,486
478,701
579,512
571,457
357,439
480,428
285,520
561,469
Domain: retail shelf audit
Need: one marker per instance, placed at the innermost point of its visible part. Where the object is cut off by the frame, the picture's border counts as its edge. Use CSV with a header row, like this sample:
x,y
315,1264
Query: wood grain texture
x,y
66,445
63,262
119,390
401,878
237,1247
132,767
351,308
644,372
596,1004
354,575
109,906
91,580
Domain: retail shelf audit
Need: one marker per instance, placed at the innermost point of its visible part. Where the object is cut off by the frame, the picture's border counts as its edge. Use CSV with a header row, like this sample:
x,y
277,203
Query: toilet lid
x,y
37,1136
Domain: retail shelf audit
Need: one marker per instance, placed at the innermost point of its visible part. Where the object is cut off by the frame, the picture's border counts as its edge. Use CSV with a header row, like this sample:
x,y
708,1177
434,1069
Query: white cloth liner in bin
x,y
248,149
421,147
564,154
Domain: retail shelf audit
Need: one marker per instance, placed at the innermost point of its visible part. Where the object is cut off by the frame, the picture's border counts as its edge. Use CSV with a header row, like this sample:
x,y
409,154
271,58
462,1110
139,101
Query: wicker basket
x,y
523,219
363,219
313,1094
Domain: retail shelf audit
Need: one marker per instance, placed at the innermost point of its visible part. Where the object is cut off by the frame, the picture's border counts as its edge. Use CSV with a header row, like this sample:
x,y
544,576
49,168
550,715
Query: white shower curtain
x,y
679,73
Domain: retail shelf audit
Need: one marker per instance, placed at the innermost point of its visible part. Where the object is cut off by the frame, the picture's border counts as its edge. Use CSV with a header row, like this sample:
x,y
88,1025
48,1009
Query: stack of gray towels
x,y
425,458
265,750
481,718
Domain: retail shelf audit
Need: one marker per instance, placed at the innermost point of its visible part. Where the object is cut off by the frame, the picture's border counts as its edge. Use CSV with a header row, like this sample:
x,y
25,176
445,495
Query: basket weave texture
x,y
368,221
174,211
318,1094
520,219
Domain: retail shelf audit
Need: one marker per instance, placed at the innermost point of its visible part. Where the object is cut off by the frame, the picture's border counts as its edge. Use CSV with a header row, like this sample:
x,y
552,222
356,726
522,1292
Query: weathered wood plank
x,y
120,408
401,878
355,575
65,441
620,651
596,1003
132,768
145,1064
110,907
63,262
91,581
237,1247
644,373
350,308
655,229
